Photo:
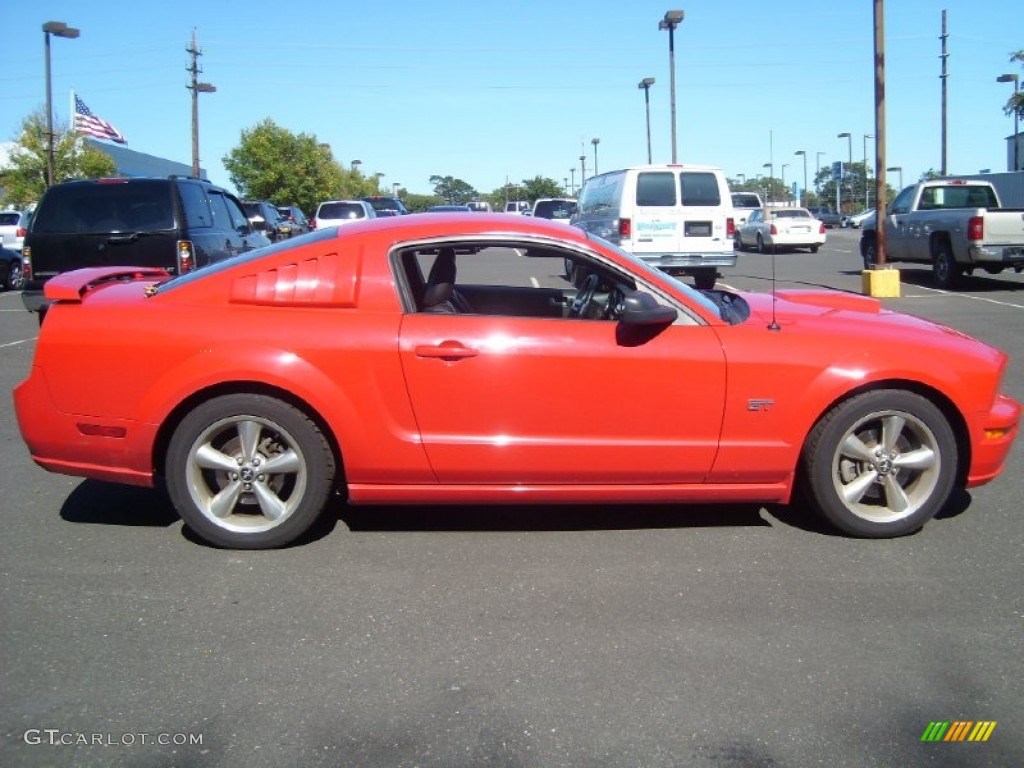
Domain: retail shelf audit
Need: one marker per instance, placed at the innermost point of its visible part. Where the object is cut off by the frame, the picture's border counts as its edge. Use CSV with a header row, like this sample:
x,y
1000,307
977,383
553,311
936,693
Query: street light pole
x,y
867,198
670,22
572,175
768,185
785,191
898,169
595,142
804,153
1015,79
646,84
849,148
583,168
57,29
356,164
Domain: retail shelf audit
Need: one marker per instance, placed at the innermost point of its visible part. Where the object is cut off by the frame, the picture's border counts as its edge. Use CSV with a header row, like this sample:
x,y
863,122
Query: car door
x,y
534,400
899,239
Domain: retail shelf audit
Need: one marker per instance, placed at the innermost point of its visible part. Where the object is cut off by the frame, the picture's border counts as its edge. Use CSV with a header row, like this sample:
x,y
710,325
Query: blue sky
x,y
489,91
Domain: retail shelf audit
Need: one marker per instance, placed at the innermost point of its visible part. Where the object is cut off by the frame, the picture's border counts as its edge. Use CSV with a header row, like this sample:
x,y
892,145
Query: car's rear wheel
x,y
814,249
248,471
12,278
945,271
880,464
704,279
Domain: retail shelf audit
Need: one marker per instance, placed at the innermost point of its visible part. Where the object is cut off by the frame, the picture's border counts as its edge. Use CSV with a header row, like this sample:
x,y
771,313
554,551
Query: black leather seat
x,y
440,295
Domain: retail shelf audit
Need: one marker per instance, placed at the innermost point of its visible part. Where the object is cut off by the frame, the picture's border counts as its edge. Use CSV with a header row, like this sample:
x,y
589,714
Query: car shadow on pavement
x,y
99,503
546,517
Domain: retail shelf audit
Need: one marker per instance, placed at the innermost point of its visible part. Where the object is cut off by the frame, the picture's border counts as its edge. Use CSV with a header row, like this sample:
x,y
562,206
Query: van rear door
x,y
656,226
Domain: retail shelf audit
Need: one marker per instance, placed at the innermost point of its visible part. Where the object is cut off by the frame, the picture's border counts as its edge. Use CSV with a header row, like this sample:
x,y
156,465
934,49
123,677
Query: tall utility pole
x,y
945,78
879,24
196,87
670,21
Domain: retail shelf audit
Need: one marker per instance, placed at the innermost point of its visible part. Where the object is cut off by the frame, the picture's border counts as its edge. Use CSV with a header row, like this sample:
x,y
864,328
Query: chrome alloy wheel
x,y
246,474
886,466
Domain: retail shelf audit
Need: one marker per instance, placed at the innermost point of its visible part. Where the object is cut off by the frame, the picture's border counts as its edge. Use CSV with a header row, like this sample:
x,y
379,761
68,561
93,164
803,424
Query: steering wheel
x,y
584,296
614,308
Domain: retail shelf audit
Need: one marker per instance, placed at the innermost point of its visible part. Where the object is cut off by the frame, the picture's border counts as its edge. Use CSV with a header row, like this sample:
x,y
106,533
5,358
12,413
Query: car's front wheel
x,y
880,464
248,471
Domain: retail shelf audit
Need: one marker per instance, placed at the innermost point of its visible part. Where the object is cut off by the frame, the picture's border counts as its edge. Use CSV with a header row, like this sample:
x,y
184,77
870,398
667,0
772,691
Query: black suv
x,y
175,223
386,206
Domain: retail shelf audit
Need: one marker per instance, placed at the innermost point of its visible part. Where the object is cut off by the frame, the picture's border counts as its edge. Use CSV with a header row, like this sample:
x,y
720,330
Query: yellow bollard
x,y
881,283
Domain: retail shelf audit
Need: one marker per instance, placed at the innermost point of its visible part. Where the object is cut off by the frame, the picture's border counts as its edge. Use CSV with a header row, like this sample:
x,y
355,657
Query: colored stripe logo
x,y
958,730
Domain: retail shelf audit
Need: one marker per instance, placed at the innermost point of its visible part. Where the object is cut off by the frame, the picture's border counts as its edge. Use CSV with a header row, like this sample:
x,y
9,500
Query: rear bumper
x,y
689,260
70,444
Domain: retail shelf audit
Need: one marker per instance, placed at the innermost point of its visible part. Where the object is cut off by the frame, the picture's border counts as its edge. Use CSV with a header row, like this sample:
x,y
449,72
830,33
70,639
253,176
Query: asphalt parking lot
x,y
607,636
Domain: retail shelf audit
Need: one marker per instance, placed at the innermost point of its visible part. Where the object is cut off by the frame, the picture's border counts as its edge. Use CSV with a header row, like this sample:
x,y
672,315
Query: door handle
x,y
446,350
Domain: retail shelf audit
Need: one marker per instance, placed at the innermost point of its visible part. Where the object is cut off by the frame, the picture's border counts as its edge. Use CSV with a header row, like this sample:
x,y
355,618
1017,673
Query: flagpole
x,y
71,114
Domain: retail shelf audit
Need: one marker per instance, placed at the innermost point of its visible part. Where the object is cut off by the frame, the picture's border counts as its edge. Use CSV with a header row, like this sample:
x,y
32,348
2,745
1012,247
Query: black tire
x,y
867,252
880,464
761,248
945,271
737,243
217,478
12,279
704,279
814,248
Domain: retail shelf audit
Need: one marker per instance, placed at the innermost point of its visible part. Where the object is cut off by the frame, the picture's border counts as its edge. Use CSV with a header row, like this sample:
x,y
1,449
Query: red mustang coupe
x,y
450,359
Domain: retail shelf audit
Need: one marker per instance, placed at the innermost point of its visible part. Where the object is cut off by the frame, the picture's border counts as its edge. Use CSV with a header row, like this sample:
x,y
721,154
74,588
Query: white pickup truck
x,y
956,225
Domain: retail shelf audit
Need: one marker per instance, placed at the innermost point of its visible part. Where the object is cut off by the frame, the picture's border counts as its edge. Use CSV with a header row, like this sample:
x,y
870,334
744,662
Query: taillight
x,y
774,230
21,232
625,227
186,257
312,224
730,228
976,228
821,230
26,262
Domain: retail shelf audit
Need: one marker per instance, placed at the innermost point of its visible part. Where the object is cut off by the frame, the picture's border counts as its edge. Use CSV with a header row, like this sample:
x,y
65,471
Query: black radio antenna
x,y
773,325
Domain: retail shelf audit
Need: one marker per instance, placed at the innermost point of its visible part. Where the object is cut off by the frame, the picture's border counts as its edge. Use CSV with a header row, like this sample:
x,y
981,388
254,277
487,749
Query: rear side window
x,y
600,193
103,208
197,206
700,189
221,214
9,219
658,188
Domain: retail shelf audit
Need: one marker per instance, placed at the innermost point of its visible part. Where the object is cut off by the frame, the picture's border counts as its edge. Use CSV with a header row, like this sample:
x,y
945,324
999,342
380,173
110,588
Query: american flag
x,y
86,122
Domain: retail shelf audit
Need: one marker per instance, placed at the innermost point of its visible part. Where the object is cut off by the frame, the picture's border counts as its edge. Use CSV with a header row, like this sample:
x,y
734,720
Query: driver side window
x,y
510,279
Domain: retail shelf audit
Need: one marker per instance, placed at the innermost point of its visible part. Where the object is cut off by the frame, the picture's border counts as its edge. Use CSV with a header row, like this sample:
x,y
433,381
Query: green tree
x,y
1015,104
418,203
25,180
453,191
272,163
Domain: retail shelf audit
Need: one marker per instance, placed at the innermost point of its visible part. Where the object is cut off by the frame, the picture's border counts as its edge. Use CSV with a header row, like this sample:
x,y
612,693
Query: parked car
x,y
856,221
333,213
175,224
480,206
827,216
773,229
359,362
678,218
11,278
293,220
387,206
743,203
265,218
13,228
518,206
955,225
561,208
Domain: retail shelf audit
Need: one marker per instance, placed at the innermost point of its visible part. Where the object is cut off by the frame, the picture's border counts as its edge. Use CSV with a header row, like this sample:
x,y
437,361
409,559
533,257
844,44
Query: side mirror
x,y
643,309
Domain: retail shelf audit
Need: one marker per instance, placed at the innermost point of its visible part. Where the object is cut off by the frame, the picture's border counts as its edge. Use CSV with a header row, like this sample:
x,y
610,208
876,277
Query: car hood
x,y
842,314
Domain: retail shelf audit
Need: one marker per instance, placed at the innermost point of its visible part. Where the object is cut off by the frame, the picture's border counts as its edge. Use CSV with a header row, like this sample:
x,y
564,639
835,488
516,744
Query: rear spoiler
x,y
72,286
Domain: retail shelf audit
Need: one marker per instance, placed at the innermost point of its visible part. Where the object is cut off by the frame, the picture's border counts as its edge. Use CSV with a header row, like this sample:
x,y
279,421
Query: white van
x,y
678,218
